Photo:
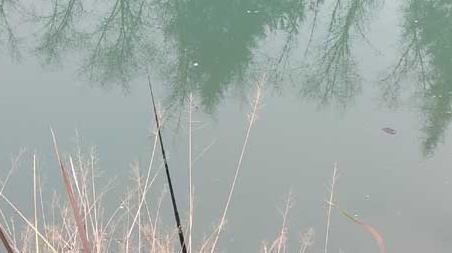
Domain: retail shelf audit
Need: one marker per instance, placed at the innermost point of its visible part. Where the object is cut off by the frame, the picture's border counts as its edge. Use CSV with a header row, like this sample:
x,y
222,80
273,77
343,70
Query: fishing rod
x,y
168,176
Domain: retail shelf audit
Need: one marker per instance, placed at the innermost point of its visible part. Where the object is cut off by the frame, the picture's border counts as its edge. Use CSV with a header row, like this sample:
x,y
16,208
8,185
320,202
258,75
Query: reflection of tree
x,y
59,29
280,65
412,59
428,54
334,77
214,40
437,112
118,48
6,7
123,43
315,7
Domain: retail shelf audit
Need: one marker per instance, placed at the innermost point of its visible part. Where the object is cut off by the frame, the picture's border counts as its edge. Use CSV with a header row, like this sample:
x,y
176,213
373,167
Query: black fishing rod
x,y
168,176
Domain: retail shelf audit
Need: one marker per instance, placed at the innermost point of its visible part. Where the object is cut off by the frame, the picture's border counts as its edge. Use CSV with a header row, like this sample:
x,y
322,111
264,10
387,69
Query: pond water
x,y
364,84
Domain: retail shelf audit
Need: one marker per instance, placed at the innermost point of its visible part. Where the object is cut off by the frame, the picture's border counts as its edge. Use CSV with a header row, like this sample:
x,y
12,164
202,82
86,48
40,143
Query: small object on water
x,y
252,11
389,130
195,64
367,197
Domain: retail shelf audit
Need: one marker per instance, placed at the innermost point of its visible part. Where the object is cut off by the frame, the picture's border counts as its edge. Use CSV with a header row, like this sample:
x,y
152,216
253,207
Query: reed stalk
x,y
253,115
72,200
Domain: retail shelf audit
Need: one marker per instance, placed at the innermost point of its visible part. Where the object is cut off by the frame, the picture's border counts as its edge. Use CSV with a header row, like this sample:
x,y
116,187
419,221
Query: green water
x,y
333,74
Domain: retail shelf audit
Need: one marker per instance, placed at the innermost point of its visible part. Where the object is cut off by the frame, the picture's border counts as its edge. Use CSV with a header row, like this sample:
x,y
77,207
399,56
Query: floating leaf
x,y
389,130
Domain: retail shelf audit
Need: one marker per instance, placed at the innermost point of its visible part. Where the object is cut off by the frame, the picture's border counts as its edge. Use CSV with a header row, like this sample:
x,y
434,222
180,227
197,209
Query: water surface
x,y
335,73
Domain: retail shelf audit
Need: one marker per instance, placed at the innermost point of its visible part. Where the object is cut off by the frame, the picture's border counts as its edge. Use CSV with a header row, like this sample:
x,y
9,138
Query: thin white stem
x,y
24,218
282,235
35,207
74,175
14,164
190,197
44,220
306,240
239,165
93,190
140,194
330,207
156,220
146,187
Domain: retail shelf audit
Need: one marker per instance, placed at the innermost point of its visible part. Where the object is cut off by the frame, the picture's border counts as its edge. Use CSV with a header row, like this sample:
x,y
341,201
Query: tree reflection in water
x,y
208,47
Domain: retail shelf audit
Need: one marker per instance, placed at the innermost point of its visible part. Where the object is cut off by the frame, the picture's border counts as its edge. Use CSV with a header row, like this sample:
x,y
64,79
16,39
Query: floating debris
x,y
389,130
252,11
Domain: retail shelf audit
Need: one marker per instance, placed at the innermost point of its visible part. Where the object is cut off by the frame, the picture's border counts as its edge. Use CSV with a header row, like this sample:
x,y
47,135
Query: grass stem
x,y
328,221
252,119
